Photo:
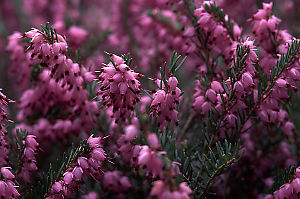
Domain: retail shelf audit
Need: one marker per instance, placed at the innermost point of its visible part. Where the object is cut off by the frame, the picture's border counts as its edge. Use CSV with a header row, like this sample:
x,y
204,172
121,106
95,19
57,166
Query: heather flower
x,y
219,39
77,35
7,173
288,128
152,161
153,141
90,164
59,84
285,191
128,151
119,88
28,157
165,102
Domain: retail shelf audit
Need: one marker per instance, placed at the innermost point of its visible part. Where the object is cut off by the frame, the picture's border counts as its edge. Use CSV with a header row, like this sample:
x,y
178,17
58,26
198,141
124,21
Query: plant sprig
x,y
216,11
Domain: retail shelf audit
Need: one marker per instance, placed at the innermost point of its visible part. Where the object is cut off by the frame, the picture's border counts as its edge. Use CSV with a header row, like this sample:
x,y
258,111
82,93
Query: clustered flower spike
x,y
153,21
165,102
89,164
151,159
265,24
218,39
28,157
59,85
243,85
126,149
119,88
274,42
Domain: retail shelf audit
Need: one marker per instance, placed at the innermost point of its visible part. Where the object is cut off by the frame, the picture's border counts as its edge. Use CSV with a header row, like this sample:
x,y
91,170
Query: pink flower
x,y
153,141
152,161
211,95
165,102
131,132
216,86
77,35
247,80
68,177
7,173
288,128
285,191
296,185
57,187
120,89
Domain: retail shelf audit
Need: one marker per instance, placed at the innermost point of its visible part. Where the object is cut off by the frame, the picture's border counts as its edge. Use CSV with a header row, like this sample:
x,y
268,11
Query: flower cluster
x,y
126,149
89,164
219,37
59,84
28,157
152,161
152,22
119,88
242,85
165,102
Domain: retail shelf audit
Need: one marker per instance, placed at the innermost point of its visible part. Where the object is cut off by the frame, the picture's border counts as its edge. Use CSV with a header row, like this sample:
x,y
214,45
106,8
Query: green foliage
x,y
174,59
49,32
149,94
173,67
285,61
127,59
20,138
201,164
217,161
